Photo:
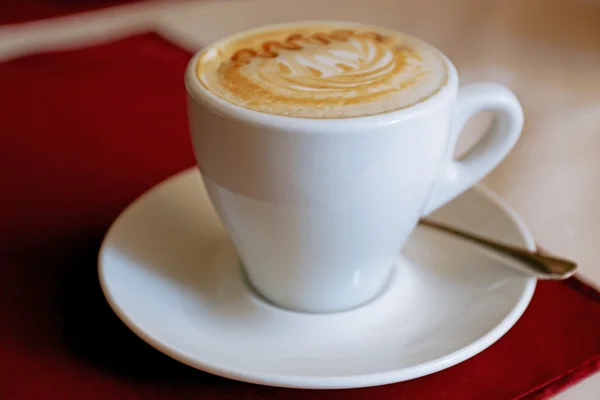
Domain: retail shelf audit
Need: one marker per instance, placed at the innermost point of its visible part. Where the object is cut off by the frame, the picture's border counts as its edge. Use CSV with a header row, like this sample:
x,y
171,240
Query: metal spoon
x,y
539,263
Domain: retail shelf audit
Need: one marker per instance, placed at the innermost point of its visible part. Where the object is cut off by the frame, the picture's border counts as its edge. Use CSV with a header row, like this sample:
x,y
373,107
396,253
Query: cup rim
x,y
198,92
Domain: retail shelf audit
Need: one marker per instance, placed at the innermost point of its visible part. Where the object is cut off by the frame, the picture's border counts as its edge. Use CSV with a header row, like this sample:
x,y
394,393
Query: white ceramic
x,y
170,272
319,209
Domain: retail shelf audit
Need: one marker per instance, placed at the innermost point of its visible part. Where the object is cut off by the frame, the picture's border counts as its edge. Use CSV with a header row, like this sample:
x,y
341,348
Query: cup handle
x,y
458,176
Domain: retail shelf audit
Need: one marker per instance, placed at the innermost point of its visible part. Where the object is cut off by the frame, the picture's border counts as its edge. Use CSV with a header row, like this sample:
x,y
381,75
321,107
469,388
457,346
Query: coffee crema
x,y
336,70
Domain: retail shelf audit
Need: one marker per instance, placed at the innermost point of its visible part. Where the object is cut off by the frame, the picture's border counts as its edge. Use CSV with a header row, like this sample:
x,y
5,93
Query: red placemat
x,y
16,11
84,133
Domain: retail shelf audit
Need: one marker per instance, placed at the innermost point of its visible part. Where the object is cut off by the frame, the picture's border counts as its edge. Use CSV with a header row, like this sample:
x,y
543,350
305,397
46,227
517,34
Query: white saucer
x,y
170,273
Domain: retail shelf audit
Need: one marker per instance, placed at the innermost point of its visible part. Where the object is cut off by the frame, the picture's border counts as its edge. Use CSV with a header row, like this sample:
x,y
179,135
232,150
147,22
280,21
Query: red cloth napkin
x,y
84,133
16,11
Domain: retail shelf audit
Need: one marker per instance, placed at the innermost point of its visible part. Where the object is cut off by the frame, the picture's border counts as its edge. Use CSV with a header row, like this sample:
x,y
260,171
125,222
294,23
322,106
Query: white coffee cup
x,y
319,209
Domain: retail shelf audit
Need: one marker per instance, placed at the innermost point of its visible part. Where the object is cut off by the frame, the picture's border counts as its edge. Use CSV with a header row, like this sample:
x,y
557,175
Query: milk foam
x,y
322,71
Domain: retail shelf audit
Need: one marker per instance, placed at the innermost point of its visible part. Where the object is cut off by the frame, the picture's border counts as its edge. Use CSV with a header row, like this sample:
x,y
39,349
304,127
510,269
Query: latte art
x,y
323,68
316,71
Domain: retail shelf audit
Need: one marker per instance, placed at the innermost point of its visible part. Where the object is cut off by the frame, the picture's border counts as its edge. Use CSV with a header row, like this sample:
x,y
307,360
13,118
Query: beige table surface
x,y
547,51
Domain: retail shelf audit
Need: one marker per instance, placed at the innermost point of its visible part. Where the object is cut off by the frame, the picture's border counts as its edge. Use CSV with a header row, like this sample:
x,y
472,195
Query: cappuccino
x,y
318,70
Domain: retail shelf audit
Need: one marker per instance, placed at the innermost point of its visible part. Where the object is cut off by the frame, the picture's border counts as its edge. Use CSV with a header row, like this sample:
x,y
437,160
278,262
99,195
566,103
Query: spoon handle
x,y
541,263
